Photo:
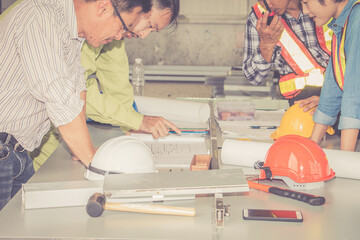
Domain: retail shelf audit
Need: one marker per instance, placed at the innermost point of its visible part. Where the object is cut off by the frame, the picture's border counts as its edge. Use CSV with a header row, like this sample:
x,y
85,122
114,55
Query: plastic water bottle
x,y
138,77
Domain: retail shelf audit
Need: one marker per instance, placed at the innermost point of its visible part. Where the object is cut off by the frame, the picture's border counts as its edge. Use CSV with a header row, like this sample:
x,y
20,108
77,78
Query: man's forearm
x,y
266,50
318,132
77,137
349,139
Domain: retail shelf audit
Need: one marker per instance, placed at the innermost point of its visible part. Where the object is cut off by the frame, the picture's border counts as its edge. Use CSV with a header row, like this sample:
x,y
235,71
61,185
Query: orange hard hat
x,y
297,158
296,121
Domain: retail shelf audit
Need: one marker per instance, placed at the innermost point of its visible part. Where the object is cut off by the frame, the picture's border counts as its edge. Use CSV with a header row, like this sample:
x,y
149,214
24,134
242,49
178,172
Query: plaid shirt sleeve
x,y
255,67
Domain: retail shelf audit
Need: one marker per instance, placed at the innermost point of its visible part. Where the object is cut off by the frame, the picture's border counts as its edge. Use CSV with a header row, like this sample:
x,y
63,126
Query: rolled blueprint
x,y
245,153
344,163
174,110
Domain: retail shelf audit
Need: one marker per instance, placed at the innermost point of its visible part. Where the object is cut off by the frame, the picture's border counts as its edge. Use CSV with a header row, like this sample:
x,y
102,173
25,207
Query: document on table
x,y
174,152
263,125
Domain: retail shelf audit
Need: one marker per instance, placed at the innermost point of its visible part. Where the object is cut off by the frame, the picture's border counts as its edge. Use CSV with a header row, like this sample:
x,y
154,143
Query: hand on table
x,y
308,104
157,126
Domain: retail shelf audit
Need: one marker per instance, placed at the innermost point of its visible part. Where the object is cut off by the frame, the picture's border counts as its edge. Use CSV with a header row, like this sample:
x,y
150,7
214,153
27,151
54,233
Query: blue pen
x,y
135,106
190,131
262,127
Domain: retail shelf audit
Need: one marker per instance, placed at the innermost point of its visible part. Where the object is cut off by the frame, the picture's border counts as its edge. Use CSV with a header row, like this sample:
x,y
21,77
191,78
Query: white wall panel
x,y
213,7
210,32
214,11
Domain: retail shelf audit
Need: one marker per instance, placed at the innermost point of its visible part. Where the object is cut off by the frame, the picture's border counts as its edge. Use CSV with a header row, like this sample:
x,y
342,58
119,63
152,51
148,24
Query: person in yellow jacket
x,y
109,97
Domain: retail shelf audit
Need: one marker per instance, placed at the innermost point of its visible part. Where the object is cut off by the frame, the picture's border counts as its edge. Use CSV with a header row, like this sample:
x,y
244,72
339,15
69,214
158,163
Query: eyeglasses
x,y
123,23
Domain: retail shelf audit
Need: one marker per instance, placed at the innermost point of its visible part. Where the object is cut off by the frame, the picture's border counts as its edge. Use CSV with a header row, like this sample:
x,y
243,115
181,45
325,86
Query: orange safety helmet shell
x,y
296,121
298,158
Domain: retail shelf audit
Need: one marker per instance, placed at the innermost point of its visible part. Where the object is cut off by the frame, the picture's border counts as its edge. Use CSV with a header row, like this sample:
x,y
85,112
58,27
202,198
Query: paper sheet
x,y
174,110
245,153
345,164
240,129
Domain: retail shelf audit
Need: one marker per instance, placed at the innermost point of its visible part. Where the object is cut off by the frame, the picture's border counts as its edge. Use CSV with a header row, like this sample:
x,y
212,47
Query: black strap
x,y
100,171
260,165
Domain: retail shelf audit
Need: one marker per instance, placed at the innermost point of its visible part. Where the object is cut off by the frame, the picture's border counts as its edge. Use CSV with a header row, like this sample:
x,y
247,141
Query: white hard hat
x,y
124,154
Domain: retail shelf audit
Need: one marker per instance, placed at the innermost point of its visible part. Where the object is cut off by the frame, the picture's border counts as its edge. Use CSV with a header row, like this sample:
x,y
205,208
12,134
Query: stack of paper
x,y
260,128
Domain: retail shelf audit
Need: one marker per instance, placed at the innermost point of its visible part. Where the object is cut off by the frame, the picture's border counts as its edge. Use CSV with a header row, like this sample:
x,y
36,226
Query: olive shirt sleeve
x,y
110,97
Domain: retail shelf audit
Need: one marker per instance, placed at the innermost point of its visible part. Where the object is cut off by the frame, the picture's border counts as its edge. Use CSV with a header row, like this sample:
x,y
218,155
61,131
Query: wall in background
x,y
210,32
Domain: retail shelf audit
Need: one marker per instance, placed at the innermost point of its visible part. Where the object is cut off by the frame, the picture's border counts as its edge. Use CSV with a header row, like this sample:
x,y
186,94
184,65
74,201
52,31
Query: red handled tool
x,y
304,197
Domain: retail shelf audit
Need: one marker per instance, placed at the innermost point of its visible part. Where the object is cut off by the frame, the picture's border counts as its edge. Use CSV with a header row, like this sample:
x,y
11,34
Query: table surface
x,y
337,219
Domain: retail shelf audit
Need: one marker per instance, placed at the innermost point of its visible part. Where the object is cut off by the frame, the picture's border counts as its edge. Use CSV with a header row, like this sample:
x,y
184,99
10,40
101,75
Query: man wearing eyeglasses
x,y
109,93
41,78
110,64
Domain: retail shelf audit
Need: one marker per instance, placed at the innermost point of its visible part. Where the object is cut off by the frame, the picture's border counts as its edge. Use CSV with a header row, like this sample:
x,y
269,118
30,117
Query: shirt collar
x,y
70,15
288,16
338,24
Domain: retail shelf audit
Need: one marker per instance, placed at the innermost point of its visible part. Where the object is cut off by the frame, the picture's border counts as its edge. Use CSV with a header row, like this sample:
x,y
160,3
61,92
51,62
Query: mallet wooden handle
x,y
150,208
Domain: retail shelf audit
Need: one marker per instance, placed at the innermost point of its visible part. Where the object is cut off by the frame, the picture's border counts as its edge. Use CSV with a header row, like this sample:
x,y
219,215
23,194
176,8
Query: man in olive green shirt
x,y
109,96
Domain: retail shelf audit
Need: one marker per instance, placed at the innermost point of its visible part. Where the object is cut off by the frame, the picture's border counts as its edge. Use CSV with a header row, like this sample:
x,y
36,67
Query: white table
x,y
338,219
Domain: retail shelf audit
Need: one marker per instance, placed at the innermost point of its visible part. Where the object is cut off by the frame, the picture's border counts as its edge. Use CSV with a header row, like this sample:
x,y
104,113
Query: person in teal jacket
x,y
109,97
340,93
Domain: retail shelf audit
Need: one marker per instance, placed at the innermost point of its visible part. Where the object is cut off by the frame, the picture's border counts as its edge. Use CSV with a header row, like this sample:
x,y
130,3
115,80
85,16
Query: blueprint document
x,y
267,121
175,152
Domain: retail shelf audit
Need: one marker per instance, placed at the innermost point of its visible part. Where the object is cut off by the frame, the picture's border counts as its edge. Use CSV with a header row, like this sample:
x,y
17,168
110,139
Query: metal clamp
x,y
221,210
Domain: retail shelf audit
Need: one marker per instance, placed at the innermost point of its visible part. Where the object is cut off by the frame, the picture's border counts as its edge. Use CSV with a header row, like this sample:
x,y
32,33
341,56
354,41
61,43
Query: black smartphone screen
x,y
271,14
270,18
272,215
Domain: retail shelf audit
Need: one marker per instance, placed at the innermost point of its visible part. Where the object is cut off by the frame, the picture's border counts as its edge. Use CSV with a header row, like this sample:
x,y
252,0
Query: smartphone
x,y
271,13
273,215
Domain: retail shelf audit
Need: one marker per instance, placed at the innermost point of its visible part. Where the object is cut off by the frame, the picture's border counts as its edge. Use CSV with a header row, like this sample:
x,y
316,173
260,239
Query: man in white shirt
x,y
41,78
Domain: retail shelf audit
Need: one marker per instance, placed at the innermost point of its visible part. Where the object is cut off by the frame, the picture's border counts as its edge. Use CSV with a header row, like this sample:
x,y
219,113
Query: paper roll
x,y
174,110
245,153
344,163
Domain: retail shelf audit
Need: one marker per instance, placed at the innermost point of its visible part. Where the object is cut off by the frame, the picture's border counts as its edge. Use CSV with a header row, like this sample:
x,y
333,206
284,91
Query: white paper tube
x,y
345,164
174,110
245,153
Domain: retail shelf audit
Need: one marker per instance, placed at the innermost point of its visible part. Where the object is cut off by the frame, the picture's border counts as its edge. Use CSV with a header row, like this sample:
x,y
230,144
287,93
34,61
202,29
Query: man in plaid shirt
x,y
261,54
